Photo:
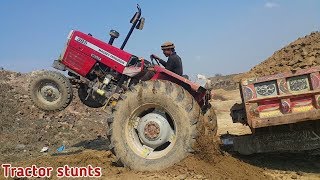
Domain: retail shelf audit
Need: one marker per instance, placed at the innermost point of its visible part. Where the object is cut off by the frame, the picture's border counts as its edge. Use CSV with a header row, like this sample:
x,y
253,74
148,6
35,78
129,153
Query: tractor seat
x,y
185,76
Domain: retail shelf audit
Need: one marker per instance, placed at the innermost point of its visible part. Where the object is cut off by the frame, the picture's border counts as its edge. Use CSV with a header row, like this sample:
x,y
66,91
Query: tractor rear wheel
x,y
50,90
154,125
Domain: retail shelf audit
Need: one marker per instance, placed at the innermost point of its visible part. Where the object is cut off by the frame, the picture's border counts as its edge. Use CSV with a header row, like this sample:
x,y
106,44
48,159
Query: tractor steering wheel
x,y
152,58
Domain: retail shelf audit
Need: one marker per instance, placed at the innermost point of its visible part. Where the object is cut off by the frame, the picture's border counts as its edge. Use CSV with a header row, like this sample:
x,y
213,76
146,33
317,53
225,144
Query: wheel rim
x,y
49,92
151,131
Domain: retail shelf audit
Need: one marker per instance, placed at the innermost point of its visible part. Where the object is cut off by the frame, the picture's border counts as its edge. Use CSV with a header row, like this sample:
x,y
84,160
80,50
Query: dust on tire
x,y
177,101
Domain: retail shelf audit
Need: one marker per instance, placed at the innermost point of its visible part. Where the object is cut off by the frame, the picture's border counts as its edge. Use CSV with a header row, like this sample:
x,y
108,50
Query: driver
x,y
174,63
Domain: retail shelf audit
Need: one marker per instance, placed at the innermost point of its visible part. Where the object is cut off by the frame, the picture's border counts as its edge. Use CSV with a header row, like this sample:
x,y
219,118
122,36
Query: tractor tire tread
x,y
180,97
58,78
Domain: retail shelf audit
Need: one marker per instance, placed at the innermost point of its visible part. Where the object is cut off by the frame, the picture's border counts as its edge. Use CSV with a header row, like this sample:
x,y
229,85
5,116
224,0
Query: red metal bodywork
x,y
83,51
286,98
194,89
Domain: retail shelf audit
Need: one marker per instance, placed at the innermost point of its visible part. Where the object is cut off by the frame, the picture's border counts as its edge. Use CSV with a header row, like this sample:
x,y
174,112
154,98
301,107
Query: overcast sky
x,y
226,36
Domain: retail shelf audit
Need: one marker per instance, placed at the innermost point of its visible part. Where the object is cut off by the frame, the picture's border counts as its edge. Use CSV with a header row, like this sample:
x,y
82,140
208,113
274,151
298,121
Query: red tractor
x,y
152,124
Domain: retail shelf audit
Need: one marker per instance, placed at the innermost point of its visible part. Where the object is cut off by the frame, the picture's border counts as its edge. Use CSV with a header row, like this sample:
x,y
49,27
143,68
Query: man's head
x,y
167,48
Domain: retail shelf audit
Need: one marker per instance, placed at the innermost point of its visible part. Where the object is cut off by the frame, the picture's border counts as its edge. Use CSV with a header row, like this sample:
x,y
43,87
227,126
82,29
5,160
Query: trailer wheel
x,y
153,126
50,90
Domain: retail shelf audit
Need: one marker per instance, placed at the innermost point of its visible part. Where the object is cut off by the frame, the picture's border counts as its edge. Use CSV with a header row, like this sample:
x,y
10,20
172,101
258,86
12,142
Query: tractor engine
x,y
98,67
102,83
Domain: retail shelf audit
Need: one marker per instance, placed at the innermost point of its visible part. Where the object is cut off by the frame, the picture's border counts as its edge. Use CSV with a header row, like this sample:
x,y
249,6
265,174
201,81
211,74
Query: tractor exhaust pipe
x,y
137,22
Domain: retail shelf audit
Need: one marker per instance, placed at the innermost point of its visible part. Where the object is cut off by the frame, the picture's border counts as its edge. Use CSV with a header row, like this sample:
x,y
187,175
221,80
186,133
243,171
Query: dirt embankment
x,y
223,82
300,54
24,129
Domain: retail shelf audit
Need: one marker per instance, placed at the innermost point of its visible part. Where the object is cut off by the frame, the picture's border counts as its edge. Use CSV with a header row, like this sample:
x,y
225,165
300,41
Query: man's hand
x,y
155,56
141,58
151,69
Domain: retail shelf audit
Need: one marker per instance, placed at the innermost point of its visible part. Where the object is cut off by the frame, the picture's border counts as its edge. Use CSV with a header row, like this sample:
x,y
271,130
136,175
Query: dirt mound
x,y
25,129
223,82
211,162
300,54
225,167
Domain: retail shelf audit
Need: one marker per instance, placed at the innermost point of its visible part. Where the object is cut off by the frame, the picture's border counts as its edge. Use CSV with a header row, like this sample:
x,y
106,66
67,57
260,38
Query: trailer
x,y
282,111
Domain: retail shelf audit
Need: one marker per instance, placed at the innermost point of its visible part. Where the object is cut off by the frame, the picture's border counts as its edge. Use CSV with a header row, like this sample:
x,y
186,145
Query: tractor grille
x,y
75,59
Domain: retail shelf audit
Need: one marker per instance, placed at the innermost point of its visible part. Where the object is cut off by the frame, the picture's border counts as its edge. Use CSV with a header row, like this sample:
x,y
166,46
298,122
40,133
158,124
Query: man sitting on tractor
x,y
173,64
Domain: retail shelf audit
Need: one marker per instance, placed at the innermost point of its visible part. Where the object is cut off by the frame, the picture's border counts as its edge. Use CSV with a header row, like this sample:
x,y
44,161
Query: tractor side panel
x,y
83,51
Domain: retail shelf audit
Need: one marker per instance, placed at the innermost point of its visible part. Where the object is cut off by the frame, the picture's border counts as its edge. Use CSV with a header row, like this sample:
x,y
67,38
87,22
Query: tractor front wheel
x,y
50,90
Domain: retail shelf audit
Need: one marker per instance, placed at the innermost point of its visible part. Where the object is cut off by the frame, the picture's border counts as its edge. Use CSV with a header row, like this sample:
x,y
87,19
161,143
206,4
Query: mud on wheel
x,y
50,90
153,126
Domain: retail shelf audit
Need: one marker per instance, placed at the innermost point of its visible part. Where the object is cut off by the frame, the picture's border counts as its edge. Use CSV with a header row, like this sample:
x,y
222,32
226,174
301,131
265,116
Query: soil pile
x,y
25,130
223,82
300,54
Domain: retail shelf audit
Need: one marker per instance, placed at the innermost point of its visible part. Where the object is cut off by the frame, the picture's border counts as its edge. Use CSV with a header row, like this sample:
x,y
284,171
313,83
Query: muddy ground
x,y
25,130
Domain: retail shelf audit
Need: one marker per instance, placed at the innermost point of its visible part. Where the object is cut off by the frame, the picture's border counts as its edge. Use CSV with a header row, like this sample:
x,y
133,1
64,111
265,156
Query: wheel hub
x,y
50,92
154,130
151,130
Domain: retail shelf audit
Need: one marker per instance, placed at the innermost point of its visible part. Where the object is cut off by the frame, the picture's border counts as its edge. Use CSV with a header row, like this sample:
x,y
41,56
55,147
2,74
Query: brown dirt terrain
x,y
25,130
300,54
223,82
